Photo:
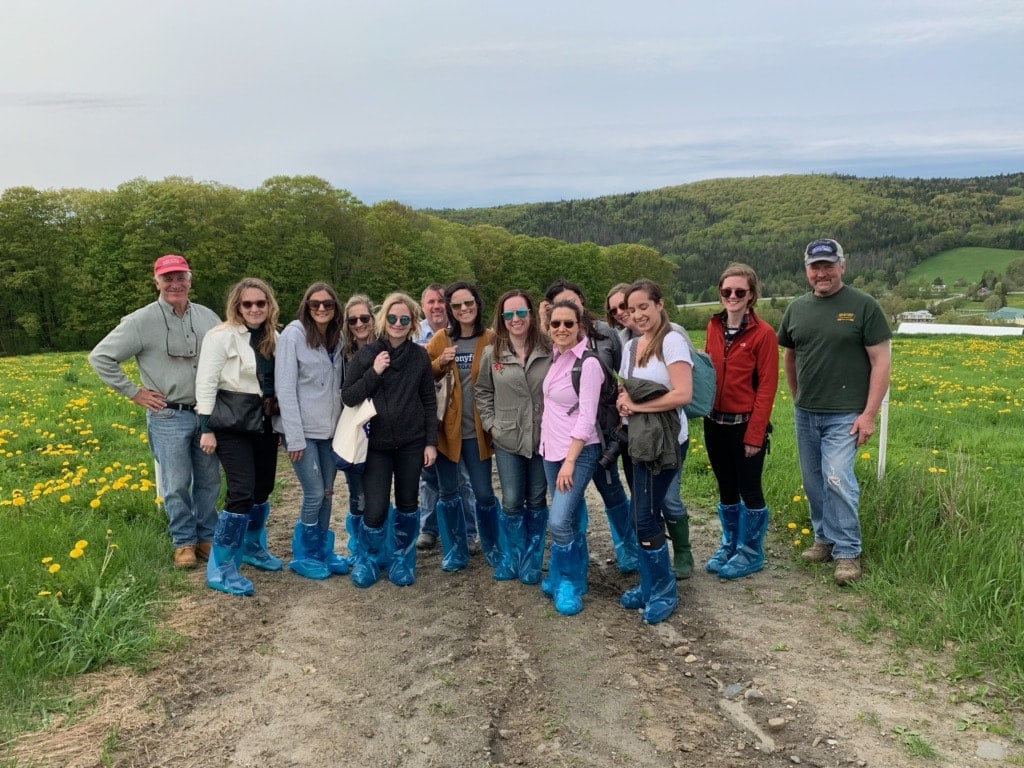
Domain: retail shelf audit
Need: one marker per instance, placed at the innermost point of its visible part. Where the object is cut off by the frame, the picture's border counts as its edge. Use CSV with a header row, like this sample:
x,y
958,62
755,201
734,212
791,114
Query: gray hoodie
x,y
308,387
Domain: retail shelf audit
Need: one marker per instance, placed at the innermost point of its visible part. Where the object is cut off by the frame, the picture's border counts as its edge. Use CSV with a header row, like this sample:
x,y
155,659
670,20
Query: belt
x,y
180,407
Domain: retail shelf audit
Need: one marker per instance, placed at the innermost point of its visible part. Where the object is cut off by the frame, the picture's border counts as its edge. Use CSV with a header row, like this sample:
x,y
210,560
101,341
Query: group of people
x,y
527,392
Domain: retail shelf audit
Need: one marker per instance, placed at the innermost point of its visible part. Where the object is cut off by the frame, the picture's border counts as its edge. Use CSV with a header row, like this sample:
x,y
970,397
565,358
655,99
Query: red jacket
x,y
752,356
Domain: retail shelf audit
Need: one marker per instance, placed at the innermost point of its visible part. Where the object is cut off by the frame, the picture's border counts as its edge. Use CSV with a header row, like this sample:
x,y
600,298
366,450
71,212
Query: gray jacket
x,y
165,346
308,386
510,399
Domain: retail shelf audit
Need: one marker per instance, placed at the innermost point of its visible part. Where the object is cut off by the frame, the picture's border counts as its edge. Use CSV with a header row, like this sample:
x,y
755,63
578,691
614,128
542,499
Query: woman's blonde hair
x,y
348,343
385,308
233,313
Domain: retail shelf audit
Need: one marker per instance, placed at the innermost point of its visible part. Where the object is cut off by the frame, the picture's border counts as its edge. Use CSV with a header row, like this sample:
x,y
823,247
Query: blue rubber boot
x,y
682,554
372,554
487,530
403,562
620,523
512,538
307,545
564,569
729,517
535,524
335,563
352,523
254,548
749,557
658,584
226,555
451,526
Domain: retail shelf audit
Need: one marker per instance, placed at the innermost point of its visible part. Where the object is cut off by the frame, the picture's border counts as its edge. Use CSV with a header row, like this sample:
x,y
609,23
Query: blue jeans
x,y
561,519
827,452
523,482
189,480
650,491
429,496
479,475
672,507
316,471
356,496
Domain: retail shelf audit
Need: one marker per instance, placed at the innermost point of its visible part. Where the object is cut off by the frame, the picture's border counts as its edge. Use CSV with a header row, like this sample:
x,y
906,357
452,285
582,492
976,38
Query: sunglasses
x,y
357,319
521,312
317,303
259,304
569,324
467,304
403,321
620,307
725,293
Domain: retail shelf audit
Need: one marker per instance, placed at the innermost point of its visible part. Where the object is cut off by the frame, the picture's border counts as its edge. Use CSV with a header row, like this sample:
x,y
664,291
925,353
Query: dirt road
x,y
461,670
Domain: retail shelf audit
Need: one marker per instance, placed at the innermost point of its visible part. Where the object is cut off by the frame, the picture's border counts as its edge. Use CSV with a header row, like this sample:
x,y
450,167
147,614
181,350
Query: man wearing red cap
x,y
165,337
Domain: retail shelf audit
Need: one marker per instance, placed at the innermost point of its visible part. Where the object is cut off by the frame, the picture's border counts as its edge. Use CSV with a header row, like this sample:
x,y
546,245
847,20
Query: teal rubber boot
x,y
402,570
620,523
451,526
226,556
729,517
254,548
373,552
659,584
749,557
512,538
307,544
487,530
535,523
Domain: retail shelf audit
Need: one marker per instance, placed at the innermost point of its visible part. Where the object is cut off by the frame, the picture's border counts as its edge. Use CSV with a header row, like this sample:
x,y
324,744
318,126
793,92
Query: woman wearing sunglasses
x,y
357,331
570,445
395,373
510,401
744,349
605,342
657,374
238,356
459,349
308,374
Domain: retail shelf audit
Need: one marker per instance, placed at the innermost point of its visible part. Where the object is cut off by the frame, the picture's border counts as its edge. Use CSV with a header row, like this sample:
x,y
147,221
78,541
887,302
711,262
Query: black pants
x,y
738,477
404,464
250,463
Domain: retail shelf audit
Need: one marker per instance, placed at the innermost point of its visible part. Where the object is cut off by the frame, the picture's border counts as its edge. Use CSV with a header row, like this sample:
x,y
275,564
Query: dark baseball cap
x,y
824,249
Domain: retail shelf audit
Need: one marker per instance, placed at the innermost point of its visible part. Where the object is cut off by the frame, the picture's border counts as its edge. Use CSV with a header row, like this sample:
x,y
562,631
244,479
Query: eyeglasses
x,y
519,312
569,324
457,305
403,321
725,293
317,303
620,307
259,304
181,343
357,319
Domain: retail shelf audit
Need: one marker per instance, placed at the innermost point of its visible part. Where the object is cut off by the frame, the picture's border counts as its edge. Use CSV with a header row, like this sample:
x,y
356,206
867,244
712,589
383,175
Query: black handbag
x,y
237,412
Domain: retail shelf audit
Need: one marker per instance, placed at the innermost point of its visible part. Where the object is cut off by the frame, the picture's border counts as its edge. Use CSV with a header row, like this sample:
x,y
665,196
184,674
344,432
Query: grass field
x,y
86,558
963,263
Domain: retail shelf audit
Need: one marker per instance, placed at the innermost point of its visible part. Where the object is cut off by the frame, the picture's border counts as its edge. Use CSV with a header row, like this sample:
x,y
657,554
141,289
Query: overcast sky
x,y
475,102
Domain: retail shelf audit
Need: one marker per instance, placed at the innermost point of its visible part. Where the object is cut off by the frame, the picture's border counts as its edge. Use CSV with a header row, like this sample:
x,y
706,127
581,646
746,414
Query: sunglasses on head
x,y
570,324
325,303
727,292
356,319
457,305
520,312
403,321
259,304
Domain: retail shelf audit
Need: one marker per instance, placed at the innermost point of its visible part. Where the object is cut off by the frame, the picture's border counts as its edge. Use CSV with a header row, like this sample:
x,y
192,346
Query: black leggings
x,y
738,477
404,464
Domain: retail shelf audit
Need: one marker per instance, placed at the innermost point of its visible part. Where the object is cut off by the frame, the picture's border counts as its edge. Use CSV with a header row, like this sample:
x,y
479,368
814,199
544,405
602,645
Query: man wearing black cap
x,y
835,343
165,337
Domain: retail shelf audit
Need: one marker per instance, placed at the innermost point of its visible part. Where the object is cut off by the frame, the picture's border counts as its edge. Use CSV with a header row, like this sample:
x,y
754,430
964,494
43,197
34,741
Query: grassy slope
x,y
966,263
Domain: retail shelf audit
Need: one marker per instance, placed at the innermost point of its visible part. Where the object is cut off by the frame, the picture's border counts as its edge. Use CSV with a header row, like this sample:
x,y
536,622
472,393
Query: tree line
x,y
74,261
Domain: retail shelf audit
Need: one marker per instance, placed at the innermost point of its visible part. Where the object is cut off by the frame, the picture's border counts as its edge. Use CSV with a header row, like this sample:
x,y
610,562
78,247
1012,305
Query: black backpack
x,y
609,423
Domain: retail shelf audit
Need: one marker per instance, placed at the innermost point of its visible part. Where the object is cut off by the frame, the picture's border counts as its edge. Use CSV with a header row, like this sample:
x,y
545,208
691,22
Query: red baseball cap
x,y
172,262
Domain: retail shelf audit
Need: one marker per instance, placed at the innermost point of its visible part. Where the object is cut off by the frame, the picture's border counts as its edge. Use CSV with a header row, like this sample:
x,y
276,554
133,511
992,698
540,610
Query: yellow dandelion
x,y
865,455
81,544
54,567
44,592
76,553
109,532
791,526
935,451
64,499
18,501
796,497
796,542
94,503
805,531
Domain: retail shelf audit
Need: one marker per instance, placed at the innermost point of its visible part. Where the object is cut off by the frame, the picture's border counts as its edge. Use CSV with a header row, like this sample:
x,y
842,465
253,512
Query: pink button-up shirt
x,y
566,416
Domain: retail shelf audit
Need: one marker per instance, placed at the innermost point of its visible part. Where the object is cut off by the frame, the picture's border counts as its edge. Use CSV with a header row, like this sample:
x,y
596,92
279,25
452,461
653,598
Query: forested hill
x,y
887,225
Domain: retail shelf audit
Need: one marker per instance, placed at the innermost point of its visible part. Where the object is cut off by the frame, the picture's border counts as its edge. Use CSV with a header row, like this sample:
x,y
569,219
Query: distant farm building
x,y
965,330
916,316
1007,315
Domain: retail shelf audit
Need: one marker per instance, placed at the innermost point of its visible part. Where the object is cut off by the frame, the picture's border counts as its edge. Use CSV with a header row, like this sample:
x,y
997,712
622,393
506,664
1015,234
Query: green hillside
x,y
968,264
